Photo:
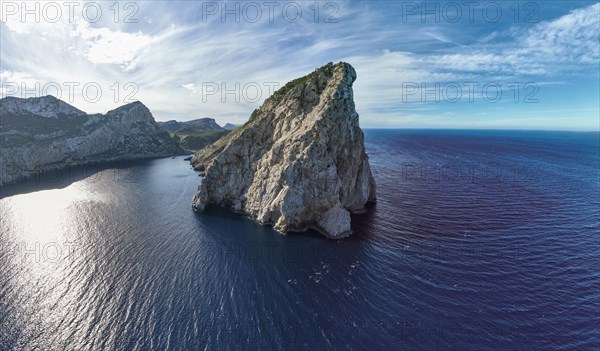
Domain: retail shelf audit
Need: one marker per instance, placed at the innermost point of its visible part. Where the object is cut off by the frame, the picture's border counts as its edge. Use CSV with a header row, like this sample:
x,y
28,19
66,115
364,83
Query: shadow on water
x,y
364,225
61,178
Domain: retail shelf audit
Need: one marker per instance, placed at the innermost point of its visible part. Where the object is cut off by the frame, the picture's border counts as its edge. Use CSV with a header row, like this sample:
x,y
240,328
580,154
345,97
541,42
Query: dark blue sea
x,y
480,240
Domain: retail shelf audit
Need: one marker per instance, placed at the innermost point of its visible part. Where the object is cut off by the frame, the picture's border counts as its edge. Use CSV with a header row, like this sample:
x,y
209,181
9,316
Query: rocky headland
x,y
44,133
298,163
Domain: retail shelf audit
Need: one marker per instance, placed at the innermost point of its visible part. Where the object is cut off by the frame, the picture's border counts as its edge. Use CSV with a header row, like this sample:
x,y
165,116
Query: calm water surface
x,y
479,241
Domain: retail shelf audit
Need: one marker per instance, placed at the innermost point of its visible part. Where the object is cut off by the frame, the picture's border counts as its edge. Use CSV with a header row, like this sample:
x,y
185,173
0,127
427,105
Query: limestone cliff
x,y
298,163
42,134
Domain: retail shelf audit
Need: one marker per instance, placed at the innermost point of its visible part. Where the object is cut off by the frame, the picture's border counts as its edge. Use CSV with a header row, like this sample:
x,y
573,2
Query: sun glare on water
x,y
44,228
45,216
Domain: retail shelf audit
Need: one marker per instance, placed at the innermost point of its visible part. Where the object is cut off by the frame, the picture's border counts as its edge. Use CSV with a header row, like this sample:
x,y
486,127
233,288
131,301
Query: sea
x,y
479,240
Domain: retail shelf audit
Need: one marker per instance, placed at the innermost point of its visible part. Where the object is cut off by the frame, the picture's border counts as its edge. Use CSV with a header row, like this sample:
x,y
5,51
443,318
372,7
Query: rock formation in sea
x,y
298,163
45,133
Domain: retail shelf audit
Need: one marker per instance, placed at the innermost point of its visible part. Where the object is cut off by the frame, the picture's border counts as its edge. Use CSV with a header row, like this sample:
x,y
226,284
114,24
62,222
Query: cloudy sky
x,y
479,64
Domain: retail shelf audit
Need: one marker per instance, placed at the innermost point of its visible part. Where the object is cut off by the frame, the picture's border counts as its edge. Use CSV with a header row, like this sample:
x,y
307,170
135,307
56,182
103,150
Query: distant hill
x,y
196,134
44,133
204,123
230,126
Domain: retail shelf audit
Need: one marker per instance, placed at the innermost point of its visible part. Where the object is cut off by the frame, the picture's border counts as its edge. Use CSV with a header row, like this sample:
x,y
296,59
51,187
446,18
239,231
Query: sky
x,y
434,64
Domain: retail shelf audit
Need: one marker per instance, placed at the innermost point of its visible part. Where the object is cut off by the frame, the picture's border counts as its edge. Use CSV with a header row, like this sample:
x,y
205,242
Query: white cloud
x,y
191,87
105,46
569,43
571,38
13,81
565,46
170,56
16,25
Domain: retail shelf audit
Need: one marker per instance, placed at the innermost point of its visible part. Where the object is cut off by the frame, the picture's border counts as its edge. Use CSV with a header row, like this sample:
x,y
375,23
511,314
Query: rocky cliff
x,y
41,134
298,163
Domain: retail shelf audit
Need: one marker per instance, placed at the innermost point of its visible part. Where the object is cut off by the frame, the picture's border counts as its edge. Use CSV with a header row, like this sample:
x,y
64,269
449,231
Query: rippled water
x,y
479,241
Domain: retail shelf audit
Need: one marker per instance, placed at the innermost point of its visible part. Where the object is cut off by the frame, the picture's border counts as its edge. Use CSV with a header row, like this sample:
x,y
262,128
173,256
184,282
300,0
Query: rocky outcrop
x,y
42,134
298,163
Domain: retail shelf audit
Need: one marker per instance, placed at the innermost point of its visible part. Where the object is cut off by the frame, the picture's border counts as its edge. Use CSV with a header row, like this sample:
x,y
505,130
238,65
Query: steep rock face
x,y
298,163
32,143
